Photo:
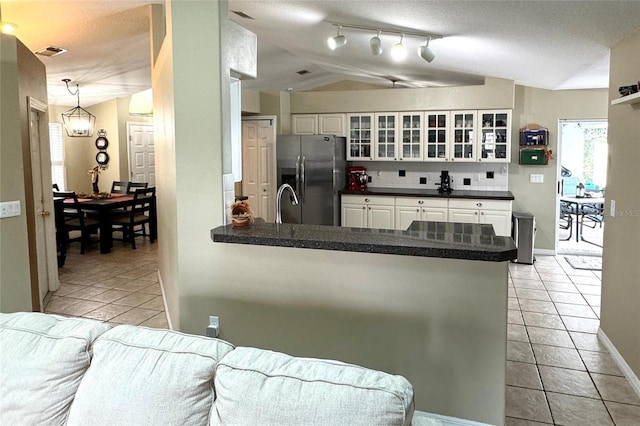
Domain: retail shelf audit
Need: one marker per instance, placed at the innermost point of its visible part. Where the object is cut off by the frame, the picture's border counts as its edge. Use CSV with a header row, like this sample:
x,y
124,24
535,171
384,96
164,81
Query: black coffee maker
x,y
445,183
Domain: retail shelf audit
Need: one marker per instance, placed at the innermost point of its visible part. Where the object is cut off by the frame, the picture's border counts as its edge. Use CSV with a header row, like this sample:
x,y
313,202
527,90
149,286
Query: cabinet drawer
x,y
367,199
480,204
421,202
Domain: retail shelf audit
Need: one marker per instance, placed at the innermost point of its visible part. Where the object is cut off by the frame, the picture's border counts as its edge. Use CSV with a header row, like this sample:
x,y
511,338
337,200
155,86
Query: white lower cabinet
x,y
409,209
388,212
494,212
360,211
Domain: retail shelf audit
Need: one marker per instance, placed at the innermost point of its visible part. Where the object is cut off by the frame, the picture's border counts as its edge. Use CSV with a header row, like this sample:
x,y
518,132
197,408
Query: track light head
x,y
338,41
425,53
376,44
399,51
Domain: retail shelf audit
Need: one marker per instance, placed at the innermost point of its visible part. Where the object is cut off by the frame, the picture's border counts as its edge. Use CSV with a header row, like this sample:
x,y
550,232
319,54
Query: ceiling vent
x,y
241,14
50,51
302,72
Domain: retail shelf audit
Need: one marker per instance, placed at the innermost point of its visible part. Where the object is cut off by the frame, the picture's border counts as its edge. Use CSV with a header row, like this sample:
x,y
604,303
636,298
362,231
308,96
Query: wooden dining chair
x,y
134,186
119,187
135,222
75,220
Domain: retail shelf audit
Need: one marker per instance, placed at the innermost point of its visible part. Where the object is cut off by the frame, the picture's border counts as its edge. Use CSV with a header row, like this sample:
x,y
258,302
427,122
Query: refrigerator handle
x,y
303,187
297,174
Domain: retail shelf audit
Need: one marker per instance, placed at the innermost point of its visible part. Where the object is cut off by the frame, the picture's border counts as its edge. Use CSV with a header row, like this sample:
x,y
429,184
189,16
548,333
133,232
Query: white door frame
x,y
43,257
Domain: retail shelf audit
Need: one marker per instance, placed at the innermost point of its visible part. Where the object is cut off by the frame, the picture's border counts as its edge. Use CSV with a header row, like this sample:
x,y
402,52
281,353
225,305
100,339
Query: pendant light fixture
x,y
337,41
425,53
376,44
399,51
78,122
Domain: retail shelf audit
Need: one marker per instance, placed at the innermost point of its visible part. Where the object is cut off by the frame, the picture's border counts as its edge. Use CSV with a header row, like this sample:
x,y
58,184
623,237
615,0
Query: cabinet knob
x,y
479,204
475,213
420,202
418,210
366,200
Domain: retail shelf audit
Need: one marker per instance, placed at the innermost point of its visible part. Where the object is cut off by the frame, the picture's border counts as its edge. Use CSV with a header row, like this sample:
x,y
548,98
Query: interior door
x,y
142,166
258,166
45,258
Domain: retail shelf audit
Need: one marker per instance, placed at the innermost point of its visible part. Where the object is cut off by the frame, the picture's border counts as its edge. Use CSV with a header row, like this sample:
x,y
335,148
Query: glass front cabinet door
x,y
411,136
464,132
495,135
386,132
436,135
359,139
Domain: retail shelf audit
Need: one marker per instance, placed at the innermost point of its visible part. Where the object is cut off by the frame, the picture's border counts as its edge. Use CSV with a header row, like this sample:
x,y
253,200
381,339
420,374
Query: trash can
x,y
523,232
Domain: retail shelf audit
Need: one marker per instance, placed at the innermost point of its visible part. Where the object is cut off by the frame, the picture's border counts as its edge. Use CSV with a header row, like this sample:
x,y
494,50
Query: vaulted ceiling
x,y
546,44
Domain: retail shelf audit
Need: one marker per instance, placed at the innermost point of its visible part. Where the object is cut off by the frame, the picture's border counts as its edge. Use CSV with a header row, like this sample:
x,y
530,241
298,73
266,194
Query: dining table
x,y
581,207
105,206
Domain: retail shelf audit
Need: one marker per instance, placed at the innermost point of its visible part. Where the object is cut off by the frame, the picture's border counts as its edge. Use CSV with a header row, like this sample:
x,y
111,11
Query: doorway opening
x,y
583,179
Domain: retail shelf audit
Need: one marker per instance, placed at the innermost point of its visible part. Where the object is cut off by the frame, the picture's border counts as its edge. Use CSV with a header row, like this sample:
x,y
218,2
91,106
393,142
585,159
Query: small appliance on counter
x,y
357,178
445,183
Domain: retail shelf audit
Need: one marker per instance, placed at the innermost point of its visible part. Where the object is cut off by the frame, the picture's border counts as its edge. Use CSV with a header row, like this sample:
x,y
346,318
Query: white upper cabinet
x,y
304,124
332,124
464,136
411,134
495,135
386,136
360,137
437,138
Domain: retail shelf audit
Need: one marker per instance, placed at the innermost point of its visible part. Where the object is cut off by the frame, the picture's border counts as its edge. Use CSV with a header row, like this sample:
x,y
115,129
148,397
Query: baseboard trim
x,y
544,252
622,364
164,301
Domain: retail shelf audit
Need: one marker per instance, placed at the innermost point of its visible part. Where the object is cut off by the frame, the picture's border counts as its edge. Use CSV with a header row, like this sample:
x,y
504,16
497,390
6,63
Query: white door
x,y
259,166
405,216
142,165
381,217
434,214
500,220
45,239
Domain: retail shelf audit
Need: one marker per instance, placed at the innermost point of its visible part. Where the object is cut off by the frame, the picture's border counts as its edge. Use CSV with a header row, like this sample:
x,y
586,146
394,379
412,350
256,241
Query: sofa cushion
x,y
259,387
144,376
42,360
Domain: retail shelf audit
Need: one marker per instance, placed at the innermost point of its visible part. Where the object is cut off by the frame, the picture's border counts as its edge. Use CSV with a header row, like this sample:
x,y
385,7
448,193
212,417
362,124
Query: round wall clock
x,y
102,158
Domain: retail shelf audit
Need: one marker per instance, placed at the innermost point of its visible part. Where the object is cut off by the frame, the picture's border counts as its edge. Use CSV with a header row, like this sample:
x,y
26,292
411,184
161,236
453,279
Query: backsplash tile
x,y
427,175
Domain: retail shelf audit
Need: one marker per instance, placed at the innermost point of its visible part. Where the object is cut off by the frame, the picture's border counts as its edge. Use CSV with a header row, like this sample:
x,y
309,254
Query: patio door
x,y
582,146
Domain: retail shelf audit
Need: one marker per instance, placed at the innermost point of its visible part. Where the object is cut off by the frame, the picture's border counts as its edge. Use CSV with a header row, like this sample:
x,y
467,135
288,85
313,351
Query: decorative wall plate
x,y
102,158
102,142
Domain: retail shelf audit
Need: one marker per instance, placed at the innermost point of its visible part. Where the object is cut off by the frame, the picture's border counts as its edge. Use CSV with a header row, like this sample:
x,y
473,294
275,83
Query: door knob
x,y
45,213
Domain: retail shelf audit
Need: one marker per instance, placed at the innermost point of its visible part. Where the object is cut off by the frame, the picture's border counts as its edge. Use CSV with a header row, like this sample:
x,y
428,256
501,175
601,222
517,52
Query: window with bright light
x,y
57,155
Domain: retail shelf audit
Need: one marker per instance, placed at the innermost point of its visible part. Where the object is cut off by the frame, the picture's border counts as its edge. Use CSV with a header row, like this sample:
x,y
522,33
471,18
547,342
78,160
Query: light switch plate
x,y
9,209
536,178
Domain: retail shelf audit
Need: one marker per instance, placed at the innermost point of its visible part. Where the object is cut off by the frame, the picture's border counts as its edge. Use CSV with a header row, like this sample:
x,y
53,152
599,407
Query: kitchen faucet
x,y
294,200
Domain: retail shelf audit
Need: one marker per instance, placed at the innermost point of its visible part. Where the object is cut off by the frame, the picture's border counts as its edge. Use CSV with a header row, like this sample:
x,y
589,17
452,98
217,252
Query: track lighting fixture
x,y
425,53
376,44
78,122
337,41
399,50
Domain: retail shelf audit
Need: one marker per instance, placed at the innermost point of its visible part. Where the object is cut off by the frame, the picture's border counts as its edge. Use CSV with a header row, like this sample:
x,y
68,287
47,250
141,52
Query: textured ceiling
x,y
546,44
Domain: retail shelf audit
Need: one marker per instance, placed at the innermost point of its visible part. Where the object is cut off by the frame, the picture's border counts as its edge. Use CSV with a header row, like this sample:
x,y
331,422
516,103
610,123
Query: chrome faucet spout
x,y
294,200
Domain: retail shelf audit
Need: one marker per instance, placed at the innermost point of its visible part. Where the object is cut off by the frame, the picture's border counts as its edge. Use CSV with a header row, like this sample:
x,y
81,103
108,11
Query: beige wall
x,y
15,276
546,108
620,319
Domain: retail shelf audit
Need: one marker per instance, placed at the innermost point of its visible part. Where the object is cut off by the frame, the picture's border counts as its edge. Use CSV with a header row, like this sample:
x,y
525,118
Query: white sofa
x,y
56,370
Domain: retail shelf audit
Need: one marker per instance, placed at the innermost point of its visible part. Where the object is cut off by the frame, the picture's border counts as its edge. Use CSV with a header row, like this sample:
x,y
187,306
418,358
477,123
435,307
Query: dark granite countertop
x,y
428,239
433,193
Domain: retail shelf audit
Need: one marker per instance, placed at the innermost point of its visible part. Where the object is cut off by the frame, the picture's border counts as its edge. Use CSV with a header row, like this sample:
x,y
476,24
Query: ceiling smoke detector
x,y
50,51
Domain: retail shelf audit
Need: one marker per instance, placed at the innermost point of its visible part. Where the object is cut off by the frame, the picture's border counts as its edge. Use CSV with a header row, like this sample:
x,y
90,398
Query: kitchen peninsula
x,y
428,303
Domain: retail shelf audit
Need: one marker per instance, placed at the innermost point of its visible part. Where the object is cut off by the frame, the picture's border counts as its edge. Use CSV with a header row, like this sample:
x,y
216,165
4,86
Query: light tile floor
x,y
557,370
117,288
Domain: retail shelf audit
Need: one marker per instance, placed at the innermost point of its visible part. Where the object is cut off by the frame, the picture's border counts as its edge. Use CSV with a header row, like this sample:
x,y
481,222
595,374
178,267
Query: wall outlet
x,y
213,330
612,208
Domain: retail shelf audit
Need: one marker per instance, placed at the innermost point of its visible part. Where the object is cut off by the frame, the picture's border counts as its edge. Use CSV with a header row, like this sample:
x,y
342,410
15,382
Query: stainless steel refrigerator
x,y
315,166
